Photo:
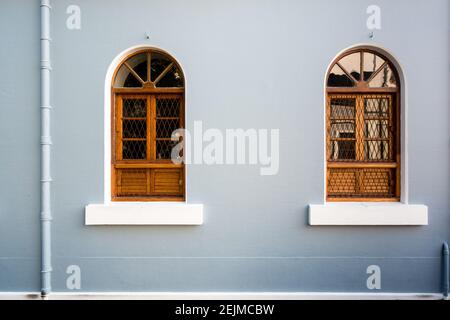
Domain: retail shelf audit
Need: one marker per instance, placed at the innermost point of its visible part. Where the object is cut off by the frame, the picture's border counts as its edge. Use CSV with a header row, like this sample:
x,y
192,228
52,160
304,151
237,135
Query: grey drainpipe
x,y
46,216
445,276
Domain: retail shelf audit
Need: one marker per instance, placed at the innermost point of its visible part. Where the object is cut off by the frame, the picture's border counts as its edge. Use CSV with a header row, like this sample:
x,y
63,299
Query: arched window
x,y
147,106
363,128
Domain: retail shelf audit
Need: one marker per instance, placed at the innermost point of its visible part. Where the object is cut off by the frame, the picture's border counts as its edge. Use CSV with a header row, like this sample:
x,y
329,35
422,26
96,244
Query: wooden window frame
x,y
359,90
151,92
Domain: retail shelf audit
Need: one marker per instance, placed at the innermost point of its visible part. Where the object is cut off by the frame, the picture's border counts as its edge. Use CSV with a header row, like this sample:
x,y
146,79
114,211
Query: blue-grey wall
x,y
255,236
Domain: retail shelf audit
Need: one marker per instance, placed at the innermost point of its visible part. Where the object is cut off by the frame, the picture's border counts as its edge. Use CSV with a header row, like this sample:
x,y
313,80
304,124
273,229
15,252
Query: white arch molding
x,y
403,114
371,213
115,64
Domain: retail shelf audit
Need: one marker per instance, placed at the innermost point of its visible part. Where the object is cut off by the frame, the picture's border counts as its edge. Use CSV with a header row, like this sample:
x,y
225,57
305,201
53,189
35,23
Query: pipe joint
x,y
46,4
46,217
47,270
46,140
45,65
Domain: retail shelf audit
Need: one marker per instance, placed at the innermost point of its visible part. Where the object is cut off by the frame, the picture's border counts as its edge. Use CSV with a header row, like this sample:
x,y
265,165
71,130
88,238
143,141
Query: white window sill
x,y
144,213
368,214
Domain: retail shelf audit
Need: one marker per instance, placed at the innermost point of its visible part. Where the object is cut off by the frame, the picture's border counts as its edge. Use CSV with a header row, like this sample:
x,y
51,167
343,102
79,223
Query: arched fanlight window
x,y
148,106
363,128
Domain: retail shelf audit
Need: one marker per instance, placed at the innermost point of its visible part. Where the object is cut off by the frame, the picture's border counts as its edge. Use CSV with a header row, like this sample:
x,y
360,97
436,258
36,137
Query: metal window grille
x,y
360,147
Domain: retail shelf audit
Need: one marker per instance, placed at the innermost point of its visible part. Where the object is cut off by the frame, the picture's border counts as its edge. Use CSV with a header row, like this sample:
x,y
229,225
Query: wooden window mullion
x,y
148,133
119,133
152,123
359,126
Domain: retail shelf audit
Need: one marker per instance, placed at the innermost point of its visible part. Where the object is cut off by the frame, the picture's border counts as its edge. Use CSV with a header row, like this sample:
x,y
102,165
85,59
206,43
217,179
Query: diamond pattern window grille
x,y
164,149
134,129
134,108
342,129
167,121
361,133
168,107
361,183
377,129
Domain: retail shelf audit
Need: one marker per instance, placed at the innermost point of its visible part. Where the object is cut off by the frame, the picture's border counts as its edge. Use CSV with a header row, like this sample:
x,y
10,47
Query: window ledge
x,y
368,214
144,213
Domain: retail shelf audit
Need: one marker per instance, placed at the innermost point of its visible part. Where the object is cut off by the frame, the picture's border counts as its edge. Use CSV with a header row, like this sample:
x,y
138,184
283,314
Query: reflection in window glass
x,y
338,78
371,64
158,65
139,64
384,79
124,78
171,79
352,64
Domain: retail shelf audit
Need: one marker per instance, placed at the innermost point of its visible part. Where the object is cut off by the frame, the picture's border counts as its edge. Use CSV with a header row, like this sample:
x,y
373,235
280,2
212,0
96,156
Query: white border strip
x,y
221,296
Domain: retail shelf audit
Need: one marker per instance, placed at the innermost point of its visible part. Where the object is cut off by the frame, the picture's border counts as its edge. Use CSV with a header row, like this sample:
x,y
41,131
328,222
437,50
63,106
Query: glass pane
x,y
352,64
376,107
371,64
134,150
158,65
165,127
342,129
343,150
171,79
134,108
169,107
124,79
338,78
342,108
376,129
384,79
134,128
376,150
164,148
139,64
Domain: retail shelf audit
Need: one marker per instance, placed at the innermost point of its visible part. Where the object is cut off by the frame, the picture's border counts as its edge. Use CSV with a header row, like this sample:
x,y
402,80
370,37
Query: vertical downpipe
x,y
46,217
445,280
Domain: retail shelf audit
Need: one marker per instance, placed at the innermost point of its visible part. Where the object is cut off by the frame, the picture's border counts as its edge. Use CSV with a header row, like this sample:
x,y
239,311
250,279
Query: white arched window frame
x,y
371,213
135,213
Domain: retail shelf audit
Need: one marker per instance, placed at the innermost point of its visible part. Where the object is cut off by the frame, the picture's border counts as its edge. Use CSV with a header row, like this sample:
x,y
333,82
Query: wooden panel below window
x,y
349,182
132,182
168,181
148,182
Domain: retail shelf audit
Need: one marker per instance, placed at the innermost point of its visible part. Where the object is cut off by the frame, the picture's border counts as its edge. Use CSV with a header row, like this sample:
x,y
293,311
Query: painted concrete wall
x,y
255,236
